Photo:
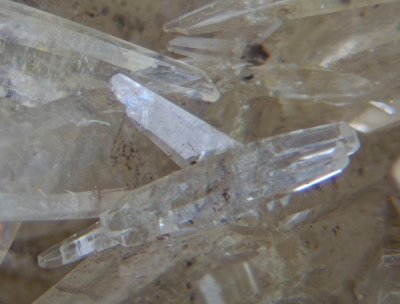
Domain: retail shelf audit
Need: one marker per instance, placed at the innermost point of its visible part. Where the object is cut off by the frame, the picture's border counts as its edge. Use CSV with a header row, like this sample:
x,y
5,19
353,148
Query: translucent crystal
x,y
209,184
224,188
8,232
228,46
39,160
205,48
172,259
235,13
46,58
294,82
180,134
55,98
377,116
88,242
361,30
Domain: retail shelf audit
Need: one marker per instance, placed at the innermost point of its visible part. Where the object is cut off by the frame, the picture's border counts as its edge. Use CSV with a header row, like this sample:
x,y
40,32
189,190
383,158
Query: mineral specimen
x,y
202,192
74,110
225,188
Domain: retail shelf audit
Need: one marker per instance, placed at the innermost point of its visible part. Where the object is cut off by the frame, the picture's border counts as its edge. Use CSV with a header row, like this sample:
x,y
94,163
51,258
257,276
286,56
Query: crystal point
x,y
225,187
294,82
65,57
77,247
236,13
176,131
317,153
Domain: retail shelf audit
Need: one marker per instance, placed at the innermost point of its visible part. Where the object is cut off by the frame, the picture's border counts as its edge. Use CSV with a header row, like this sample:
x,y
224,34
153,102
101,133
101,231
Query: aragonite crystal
x,y
46,57
236,13
245,219
55,97
226,187
44,60
188,200
180,134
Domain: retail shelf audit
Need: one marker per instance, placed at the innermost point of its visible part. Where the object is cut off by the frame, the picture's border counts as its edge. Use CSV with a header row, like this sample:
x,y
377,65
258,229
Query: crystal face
x,y
63,58
181,135
212,202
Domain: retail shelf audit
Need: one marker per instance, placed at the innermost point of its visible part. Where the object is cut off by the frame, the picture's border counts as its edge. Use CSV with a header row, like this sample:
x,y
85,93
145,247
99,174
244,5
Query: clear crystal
x,y
224,188
293,82
52,57
8,232
180,134
236,13
377,116
183,136
145,107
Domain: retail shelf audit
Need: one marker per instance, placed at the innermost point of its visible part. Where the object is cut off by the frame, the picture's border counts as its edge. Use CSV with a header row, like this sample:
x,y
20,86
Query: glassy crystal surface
x,y
377,116
186,138
55,98
209,186
46,58
219,14
180,134
224,188
335,242
294,82
327,237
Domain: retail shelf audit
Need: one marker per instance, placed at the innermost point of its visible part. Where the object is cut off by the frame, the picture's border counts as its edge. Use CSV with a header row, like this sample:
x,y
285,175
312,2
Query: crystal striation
x,y
180,134
46,57
235,13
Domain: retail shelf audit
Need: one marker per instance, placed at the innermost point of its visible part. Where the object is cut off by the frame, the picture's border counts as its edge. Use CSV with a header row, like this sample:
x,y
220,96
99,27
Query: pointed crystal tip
x,y
51,258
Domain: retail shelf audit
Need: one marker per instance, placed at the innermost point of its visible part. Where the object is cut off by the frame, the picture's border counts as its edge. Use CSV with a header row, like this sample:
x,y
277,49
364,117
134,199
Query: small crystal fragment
x,y
235,13
8,232
87,242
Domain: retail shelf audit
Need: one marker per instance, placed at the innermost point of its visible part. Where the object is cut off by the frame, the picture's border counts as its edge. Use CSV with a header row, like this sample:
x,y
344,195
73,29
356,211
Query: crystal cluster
x,y
244,217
